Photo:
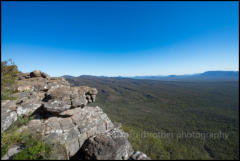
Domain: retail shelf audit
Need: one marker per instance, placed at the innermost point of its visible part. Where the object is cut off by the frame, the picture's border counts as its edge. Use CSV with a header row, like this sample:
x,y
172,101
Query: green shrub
x,y
6,94
11,136
4,149
9,139
35,149
9,72
22,120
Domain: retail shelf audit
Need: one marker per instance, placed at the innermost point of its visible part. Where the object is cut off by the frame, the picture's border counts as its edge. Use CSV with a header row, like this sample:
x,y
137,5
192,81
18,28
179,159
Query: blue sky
x,y
120,38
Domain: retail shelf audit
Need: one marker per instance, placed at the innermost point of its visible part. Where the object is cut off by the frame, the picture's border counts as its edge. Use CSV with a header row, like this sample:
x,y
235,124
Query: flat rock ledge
x,y
53,94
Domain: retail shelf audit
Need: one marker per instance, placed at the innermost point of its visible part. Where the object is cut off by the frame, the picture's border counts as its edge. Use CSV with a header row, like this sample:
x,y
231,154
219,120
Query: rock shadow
x,y
77,156
43,114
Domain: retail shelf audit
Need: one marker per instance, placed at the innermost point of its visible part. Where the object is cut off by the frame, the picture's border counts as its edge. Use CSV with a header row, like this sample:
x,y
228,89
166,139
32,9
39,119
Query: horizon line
x,y
151,75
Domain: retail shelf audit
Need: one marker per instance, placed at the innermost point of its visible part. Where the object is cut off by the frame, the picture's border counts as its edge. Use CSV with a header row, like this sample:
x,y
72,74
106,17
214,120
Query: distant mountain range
x,y
206,76
143,104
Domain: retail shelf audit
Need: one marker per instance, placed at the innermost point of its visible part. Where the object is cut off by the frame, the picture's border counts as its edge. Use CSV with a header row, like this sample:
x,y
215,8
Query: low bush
x,y
9,72
34,146
34,149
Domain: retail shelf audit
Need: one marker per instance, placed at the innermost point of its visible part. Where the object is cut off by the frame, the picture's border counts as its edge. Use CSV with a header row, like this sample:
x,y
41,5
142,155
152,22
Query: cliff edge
x,y
62,115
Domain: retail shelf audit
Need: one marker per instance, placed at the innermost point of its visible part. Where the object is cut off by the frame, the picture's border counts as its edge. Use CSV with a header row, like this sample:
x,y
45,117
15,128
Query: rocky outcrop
x,y
35,73
53,94
72,127
111,145
63,98
62,116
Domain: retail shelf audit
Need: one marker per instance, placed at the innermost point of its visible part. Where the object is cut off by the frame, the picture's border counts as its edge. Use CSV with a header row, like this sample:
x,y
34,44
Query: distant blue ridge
x,y
206,76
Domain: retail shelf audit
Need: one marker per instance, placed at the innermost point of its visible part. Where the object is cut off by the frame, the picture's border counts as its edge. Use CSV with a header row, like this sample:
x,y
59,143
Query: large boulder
x,y
8,113
63,98
44,75
139,156
7,118
38,73
79,101
35,73
55,106
25,104
71,128
111,145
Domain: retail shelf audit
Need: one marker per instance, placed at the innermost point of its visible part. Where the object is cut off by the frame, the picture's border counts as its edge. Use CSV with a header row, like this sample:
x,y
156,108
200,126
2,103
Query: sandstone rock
x,y
112,145
27,109
85,90
61,116
26,75
72,127
60,93
55,84
25,88
21,76
28,97
44,75
34,125
35,73
12,109
9,105
56,106
79,101
58,79
139,156
57,100
40,86
7,119
93,91
12,151
8,114
4,102
26,104
93,98
63,98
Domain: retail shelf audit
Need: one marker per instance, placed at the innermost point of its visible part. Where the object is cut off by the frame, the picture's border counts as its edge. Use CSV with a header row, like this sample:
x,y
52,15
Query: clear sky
x,y
120,38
